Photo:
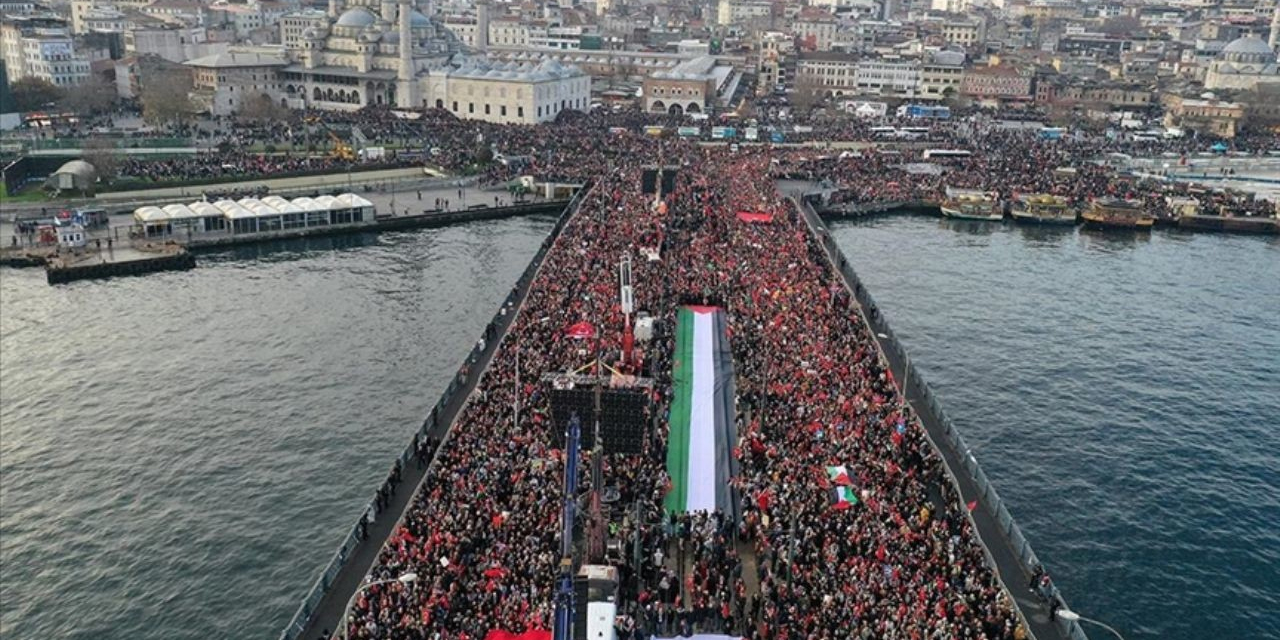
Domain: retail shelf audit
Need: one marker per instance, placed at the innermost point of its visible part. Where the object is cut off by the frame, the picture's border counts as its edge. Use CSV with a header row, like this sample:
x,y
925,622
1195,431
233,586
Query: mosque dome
x,y
1247,49
356,18
418,21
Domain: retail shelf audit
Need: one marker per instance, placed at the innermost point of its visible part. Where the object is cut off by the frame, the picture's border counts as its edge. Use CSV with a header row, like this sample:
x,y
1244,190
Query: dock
x,y
67,266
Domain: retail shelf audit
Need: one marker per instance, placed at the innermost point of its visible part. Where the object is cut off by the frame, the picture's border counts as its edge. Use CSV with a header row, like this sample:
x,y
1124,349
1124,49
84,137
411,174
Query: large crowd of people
x,y
481,534
1007,159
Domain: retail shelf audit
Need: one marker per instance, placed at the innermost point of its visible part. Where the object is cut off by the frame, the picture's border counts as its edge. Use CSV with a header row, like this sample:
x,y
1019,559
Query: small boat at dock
x,y
1117,213
972,204
1043,208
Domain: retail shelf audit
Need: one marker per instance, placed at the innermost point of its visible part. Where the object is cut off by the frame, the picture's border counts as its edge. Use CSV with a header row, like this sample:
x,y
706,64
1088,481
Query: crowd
x,y
481,534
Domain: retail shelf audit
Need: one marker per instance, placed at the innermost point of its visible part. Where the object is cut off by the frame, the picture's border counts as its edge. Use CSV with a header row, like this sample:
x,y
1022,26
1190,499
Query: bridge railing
x,y
926,402
460,380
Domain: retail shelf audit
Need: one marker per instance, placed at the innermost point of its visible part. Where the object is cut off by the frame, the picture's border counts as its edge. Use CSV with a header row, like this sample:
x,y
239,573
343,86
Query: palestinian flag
x,y
839,475
842,497
699,448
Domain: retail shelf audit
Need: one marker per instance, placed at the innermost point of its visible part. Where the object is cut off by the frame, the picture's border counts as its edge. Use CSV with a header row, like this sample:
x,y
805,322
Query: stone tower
x,y
407,91
482,25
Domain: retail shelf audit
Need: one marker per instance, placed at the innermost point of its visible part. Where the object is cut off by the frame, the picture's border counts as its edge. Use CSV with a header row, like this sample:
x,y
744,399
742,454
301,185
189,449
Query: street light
x,y
403,579
1069,615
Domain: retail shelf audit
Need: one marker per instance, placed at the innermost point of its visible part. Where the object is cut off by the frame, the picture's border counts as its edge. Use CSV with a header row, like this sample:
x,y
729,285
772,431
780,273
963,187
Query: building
x,y
384,52
963,33
689,87
941,75
881,77
1243,64
222,82
816,30
771,70
1212,117
293,25
511,93
176,43
997,82
732,12
103,19
827,73
41,47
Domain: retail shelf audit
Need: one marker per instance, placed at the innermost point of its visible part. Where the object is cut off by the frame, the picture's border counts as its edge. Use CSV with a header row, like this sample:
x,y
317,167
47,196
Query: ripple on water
x,y
182,453
1120,392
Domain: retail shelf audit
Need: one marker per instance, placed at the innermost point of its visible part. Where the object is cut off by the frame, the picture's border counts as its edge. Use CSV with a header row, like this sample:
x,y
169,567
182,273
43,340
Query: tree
x,y
102,154
95,95
34,94
165,99
261,108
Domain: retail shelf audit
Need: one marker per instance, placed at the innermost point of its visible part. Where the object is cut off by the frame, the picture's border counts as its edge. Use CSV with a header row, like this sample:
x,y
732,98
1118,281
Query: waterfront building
x,y
997,82
689,87
222,82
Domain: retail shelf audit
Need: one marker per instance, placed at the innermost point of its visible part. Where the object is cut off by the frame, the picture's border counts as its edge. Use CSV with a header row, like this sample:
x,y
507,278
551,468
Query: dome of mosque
x,y
357,18
1248,49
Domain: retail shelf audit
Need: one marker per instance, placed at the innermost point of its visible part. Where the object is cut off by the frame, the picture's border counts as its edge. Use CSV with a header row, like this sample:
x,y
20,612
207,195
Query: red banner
x,y
755,216
581,330
532,634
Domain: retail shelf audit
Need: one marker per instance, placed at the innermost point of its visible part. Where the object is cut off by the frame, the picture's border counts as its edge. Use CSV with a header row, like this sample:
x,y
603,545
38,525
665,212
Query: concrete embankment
x,y
1008,552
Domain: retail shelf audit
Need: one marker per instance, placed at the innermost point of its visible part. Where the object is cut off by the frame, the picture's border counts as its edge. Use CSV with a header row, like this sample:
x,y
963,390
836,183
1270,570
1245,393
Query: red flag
x,y
581,330
755,216
973,505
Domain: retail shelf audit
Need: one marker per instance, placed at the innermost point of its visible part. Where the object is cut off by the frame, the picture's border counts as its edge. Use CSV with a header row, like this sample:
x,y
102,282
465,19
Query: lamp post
x,y
1067,614
403,579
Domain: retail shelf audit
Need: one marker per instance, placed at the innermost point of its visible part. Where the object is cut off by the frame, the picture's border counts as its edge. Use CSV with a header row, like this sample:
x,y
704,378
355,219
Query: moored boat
x,y
971,204
1043,208
1117,213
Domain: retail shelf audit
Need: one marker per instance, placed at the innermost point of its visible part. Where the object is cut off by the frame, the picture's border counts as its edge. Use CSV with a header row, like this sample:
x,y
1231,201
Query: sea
x,y
1122,392
181,453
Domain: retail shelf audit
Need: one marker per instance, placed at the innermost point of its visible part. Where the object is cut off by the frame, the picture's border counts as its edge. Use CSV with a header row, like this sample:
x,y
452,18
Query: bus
x,y
932,154
883,132
912,133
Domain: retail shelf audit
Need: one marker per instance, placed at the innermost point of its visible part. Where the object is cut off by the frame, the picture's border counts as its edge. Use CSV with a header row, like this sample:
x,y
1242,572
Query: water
x,y
1123,394
182,453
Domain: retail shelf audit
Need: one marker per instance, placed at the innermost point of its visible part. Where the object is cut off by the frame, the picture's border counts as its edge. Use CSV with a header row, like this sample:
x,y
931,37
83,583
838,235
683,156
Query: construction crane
x,y
341,150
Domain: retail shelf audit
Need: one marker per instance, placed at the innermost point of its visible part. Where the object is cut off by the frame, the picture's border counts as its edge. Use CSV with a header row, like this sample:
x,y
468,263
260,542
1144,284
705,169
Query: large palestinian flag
x,y
699,448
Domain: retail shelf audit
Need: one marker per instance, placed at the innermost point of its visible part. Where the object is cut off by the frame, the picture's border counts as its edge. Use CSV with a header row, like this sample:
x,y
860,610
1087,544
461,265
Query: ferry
x,y
1043,208
971,204
1117,213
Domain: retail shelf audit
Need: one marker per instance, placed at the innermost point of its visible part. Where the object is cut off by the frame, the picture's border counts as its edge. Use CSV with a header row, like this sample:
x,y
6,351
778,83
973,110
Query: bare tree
x,y
165,98
102,154
96,94
261,108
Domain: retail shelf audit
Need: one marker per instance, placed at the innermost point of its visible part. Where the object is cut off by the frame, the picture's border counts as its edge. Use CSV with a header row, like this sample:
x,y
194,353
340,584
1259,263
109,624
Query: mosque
x,y
1243,64
388,52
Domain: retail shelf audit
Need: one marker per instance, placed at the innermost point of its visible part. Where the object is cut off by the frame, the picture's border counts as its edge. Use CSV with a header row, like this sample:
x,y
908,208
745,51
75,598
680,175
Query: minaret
x,y
1274,40
482,25
407,92
333,9
388,11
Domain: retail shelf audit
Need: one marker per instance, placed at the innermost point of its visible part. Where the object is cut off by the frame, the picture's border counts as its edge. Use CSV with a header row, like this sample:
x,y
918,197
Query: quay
x,y
1007,549
1189,222
64,265
325,604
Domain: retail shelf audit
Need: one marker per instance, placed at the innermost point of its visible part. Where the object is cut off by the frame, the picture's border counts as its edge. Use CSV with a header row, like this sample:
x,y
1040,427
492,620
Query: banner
x,y
702,435
689,132
755,216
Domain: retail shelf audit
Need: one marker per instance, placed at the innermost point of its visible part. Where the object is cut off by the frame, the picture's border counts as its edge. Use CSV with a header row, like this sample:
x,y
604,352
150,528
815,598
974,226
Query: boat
x,y
971,204
1117,213
1043,208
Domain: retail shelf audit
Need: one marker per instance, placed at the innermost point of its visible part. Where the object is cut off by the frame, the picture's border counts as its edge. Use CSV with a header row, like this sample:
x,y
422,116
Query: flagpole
x,y
515,402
